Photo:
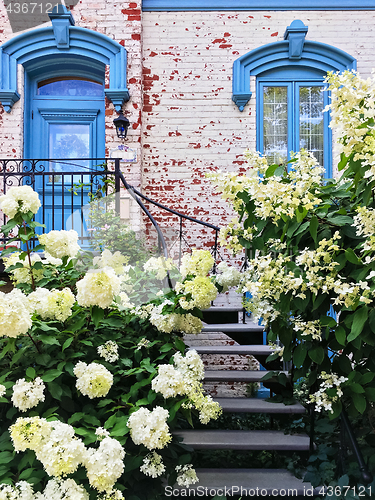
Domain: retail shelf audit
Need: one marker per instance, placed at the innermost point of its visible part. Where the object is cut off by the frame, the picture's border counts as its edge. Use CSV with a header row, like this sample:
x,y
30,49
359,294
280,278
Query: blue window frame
x,y
201,5
297,67
290,117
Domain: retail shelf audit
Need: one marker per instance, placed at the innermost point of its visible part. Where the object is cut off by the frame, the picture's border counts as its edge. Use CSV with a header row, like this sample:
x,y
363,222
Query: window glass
x,y
70,87
275,124
311,125
291,117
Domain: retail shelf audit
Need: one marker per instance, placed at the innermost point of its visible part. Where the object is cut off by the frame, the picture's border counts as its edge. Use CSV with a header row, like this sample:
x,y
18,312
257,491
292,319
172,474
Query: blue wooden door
x,y
65,122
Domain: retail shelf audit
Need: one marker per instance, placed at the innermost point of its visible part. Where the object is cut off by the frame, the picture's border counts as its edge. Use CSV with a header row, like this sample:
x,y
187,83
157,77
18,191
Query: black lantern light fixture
x,y
122,124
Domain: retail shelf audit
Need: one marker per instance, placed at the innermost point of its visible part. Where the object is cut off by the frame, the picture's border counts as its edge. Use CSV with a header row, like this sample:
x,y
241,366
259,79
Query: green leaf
x,y
67,343
340,220
299,355
301,214
351,256
51,375
370,393
48,339
356,388
30,372
314,224
340,335
55,390
359,320
316,354
359,402
97,314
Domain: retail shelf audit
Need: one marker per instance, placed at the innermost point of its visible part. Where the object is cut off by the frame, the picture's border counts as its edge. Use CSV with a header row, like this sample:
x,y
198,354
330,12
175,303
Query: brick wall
x,y
183,121
190,123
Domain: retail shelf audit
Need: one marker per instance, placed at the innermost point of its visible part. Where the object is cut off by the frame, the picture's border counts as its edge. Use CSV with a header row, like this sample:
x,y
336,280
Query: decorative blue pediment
x,y
295,53
42,46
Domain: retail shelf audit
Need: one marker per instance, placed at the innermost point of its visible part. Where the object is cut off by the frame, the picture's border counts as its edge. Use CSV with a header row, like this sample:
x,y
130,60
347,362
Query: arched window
x,y
290,98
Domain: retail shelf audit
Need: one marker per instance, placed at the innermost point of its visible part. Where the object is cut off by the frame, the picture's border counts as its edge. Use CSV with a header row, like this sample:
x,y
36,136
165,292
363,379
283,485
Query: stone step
x,y
237,375
229,328
255,350
223,309
255,483
243,440
255,405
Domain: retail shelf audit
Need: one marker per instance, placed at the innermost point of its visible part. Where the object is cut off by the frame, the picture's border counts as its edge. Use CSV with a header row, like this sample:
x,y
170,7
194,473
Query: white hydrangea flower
x,y
105,465
198,263
229,276
20,491
62,452
169,382
116,261
19,199
153,465
150,427
159,266
321,399
26,395
2,390
98,288
53,304
93,380
30,433
63,489
186,475
23,274
202,292
190,365
124,301
101,433
61,244
15,314
52,260
109,351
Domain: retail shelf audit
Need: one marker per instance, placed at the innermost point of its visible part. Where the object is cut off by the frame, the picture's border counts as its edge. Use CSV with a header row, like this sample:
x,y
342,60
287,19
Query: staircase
x,y
242,339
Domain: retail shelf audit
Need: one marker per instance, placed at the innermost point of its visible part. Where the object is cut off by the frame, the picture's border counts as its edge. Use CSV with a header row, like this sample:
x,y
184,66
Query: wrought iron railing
x,y
348,439
65,185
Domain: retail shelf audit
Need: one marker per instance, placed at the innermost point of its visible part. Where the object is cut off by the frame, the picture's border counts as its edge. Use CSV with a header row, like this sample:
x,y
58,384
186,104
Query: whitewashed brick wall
x,y
190,123
183,121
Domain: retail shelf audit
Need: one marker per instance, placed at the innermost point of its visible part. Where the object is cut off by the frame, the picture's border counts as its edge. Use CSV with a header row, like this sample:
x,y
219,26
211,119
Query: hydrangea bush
x,y
311,253
94,374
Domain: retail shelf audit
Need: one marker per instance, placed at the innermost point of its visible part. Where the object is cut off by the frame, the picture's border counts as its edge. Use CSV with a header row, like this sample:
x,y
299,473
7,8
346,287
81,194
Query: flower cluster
x,y
170,322
20,491
152,465
198,263
61,244
329,391
159,266
105,465
109,351
52,304
352,112
184,378
26,395
22,273
150,428
229,276
199,292
312,329
98,288
21,199
61,453
93,380
2,390
115,260
186,475
15,314
277,195
364,223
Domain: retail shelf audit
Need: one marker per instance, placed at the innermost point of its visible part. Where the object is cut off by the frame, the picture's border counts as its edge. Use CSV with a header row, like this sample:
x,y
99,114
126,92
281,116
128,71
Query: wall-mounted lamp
x,y
122,124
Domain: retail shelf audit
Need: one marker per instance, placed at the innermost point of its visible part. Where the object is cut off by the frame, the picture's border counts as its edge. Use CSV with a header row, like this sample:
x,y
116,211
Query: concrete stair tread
x,y
236,375
243,440
257,350
224,309
257,405
250,479
232,328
